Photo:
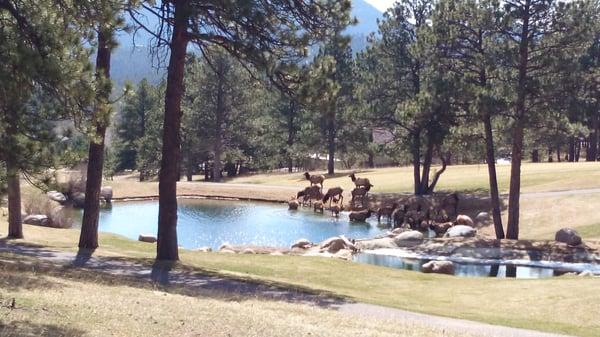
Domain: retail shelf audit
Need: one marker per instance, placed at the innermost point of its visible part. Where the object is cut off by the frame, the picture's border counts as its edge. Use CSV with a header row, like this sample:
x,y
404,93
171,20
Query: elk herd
x,y
415,212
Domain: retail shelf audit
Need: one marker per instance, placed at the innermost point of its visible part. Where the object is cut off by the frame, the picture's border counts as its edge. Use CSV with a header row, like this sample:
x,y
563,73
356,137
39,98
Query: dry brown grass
x,y
51,306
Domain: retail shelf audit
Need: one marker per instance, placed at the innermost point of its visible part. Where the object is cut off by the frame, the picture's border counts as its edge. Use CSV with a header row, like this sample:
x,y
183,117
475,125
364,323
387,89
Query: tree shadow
x,y
29,329
22,279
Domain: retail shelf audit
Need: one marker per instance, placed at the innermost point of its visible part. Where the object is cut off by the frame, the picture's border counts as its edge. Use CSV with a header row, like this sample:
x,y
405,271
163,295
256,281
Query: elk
x,y
333,193
386,211
360,182
360,216
310,193
315,179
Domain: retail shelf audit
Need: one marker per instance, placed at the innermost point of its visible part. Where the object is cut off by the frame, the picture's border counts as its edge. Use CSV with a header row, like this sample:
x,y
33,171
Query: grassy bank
x,y
62,306
535,177
566,304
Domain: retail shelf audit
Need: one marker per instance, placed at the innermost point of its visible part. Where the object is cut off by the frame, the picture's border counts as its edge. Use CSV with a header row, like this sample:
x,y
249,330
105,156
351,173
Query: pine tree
x,y
272,35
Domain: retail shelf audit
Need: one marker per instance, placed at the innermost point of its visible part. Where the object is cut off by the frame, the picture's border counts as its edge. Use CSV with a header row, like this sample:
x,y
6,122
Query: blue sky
x,y
382,5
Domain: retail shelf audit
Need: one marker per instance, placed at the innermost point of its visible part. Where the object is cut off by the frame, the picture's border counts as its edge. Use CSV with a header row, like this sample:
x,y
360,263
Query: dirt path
x,y
203,283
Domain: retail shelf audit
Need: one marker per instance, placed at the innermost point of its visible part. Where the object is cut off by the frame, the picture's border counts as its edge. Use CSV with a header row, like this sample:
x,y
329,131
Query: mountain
x,y
132,60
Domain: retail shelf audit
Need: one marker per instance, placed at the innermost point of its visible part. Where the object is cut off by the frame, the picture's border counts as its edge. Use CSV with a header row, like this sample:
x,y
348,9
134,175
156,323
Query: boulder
x,y
460,231
344,254
438,267
227,251
409,236
226,246
37,220
57,196
586,273
302,244
276,253
335,244
78,199
106,192
147,238
465,220
203,249
568,236
248,251
483,217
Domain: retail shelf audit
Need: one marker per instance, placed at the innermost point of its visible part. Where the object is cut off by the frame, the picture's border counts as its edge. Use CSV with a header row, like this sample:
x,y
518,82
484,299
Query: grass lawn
x,y
535,177
565,304
62,306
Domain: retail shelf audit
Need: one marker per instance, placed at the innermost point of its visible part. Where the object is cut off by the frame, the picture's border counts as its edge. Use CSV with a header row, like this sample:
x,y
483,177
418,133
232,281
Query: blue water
x,y
214,222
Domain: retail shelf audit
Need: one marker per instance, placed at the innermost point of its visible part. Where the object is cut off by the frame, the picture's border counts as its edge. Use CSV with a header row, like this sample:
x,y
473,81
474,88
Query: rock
x,y
465,220
345,254
335,244
248,251
586,273
147,238
409,236
399,230
226,251
226,246
438,267
460,231
78,199
276,253
57,196
203,249
302,243
106,192
376,243
37,220
483,217
568,236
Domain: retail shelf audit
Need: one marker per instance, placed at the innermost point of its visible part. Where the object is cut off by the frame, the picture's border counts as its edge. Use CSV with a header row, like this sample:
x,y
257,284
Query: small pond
x,y
204,222
461,269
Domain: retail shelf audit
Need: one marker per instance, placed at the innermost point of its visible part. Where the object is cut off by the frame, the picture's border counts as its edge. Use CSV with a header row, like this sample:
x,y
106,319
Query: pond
x,y
203,222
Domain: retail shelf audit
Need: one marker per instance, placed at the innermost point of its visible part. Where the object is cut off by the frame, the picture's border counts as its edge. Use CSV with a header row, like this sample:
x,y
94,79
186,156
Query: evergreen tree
x,y
271,35
131,124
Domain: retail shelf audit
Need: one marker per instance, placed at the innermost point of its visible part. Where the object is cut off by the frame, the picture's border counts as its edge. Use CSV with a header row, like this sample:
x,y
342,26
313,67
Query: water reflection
x,y
460,269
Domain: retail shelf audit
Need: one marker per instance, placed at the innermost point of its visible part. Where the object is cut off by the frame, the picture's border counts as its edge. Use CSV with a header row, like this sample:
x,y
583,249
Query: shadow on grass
x,y
168,276
29,329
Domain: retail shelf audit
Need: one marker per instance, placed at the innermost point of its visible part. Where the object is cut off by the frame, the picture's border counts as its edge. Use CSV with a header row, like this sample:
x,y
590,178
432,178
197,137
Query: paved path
x,y
212,285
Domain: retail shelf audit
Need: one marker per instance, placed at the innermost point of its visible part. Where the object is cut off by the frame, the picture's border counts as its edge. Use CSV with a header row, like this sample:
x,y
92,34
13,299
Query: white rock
x,y
409,236
460,231
37,220
483,217
57,196
438,267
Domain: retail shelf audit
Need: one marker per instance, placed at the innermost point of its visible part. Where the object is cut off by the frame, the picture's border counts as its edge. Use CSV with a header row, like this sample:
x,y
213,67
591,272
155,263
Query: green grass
x,y
535,177
75,305
565,304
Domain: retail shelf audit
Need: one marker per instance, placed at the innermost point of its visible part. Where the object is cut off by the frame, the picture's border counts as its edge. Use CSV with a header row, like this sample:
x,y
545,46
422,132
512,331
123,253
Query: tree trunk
x,y
512,228
220,114
595,137
427,166
558,158
88,238
15,225
550,159
331,144
291,135
490,157
577,149
571,154
535,156
166,248
416,153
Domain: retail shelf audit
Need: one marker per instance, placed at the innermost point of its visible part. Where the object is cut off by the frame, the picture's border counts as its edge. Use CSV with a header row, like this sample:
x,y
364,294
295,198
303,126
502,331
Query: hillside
x,y
132,60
